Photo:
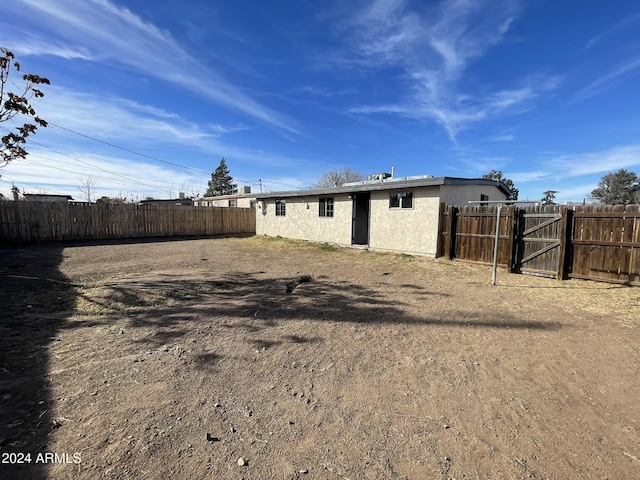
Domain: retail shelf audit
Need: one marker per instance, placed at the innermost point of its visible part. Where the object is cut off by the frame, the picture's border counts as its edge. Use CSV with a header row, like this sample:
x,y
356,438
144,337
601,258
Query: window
x,y
401,200
232,203
484,198
281,208
325,207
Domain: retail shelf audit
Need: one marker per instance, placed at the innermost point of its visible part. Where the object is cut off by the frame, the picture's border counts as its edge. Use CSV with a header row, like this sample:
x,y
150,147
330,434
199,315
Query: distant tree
x,y
497,175
221,182
119,199
14,104
15,191
549,197
337,178
618,188
87,184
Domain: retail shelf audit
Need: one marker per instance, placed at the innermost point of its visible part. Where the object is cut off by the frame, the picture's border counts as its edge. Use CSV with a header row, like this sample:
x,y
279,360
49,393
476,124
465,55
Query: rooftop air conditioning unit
x,y
378,177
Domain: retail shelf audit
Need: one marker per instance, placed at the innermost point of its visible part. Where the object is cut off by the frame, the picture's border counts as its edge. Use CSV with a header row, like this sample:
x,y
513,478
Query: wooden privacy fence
x,y
468,233
46,221
589,242
606,244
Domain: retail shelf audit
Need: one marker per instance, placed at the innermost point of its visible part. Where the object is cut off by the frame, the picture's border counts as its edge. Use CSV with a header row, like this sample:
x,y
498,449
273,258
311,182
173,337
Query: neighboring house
x,y
177,202
43,197
242,199
383,213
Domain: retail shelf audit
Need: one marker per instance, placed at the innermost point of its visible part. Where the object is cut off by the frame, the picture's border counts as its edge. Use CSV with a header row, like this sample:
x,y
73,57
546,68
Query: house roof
x,y
387,184
228,197
172,201
46,195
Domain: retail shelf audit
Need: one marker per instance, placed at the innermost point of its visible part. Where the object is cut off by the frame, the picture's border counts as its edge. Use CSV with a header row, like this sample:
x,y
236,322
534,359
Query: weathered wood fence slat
x,y
589,242
22,222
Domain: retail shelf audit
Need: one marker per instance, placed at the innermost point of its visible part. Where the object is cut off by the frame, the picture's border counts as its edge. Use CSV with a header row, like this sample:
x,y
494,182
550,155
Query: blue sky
x,y
547,92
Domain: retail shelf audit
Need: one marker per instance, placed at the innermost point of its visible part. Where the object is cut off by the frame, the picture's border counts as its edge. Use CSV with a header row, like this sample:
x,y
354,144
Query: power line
x,y
129,150
130,180
14,181
126,150
137,153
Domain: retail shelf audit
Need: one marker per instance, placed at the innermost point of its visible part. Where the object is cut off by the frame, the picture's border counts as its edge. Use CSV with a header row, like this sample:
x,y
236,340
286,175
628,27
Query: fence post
x,y
566,235
441,230
451,236
511,229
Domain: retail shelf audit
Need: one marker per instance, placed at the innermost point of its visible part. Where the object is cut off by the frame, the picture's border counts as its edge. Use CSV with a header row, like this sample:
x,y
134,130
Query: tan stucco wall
x,y
460,195
241,202
409,230
304,223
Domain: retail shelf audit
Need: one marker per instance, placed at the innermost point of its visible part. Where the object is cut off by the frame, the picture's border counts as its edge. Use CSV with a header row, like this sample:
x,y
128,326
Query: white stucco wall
x,y
409,230
304,223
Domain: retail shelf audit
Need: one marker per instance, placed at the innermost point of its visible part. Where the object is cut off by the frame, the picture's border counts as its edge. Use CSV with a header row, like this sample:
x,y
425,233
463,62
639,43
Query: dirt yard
x,y
261,358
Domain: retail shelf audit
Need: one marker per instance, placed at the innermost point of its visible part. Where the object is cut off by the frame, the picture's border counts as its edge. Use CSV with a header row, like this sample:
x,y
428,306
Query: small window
x,y
281,208
401,200
406,200
484,198
233,203
325,207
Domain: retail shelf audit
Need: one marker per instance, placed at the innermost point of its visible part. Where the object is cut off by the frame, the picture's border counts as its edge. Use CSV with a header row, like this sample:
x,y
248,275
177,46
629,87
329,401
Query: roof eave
x,y
384,185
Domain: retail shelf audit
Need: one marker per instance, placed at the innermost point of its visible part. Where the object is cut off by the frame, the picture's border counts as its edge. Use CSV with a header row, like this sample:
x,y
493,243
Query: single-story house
x,y
45,197
382,213
173,202
242,199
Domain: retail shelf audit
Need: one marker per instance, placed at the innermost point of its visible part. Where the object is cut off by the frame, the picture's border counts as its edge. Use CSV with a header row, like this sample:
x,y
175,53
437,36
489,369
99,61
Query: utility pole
x,y
260,183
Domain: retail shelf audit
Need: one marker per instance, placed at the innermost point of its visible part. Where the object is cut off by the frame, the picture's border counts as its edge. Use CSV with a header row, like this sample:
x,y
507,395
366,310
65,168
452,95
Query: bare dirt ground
x,y
175,359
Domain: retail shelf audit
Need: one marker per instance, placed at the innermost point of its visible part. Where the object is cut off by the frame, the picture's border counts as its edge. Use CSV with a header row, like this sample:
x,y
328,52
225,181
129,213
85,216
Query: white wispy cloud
x,y
114,118
434,48
475,163
591,163
125,122
58,157
609,80
525,177
52,172
100,31
576,193
611,30
503,137
325,92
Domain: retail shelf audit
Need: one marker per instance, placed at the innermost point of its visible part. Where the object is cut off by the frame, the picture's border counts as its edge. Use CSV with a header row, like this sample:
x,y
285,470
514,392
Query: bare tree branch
x,y
337,178
87,184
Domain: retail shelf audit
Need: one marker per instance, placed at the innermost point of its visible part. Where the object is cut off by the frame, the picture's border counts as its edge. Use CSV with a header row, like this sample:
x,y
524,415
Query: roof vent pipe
x,y
393,172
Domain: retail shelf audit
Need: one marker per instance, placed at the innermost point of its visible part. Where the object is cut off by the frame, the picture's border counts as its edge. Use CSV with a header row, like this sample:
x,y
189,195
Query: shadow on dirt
x,y
257,303
35,301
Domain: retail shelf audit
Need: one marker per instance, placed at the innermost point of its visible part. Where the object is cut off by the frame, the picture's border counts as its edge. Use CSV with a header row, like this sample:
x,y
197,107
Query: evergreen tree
x,y
549,197
221,182
497,175
618,188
